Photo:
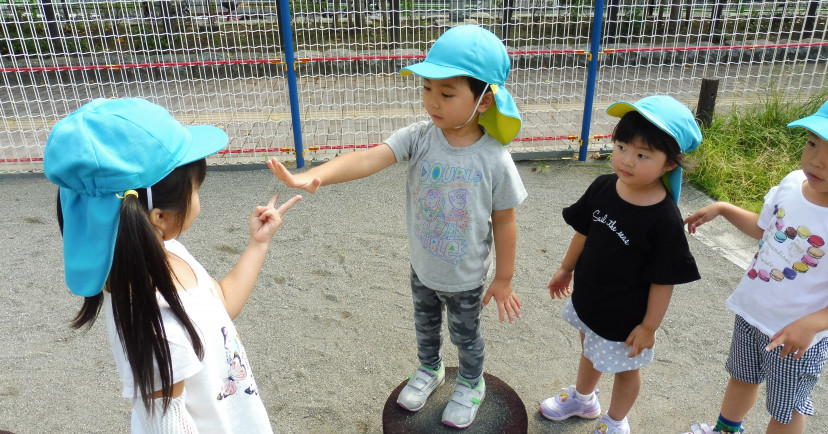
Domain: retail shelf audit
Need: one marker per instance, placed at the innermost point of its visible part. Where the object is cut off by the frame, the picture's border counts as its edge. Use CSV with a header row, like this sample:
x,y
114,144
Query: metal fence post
x,y
594,53
290,64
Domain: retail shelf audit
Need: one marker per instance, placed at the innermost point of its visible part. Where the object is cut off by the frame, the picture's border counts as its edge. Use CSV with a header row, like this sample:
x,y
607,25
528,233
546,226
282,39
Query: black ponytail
x,y
139,270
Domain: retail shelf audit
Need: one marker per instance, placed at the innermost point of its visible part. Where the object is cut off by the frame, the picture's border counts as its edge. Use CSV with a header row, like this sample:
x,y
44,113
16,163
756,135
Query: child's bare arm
x,y
742,219
350,166
504,227
796,336
235,288
643,336
559,285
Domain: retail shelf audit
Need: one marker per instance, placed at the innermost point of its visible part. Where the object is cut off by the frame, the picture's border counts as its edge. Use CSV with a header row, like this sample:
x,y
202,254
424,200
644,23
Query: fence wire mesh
x,y
223,63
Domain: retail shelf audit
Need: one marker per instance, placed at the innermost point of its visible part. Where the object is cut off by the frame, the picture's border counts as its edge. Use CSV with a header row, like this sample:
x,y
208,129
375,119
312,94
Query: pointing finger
x,y
288,204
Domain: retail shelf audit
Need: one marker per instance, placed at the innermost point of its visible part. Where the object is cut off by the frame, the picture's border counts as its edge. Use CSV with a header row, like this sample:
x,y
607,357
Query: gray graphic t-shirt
x,y
451,193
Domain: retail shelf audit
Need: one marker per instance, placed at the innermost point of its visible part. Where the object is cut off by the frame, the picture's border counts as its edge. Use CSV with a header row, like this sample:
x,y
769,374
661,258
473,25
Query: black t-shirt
x,y
627,248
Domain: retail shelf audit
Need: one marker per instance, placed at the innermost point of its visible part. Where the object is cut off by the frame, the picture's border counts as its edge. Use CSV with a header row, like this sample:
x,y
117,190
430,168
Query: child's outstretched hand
x,y
559,285
508,302
293,181
702,216
265,220
640,338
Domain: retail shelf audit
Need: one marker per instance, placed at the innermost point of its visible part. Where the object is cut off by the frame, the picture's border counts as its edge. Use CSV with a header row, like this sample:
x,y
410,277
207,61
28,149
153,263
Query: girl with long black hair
x,y
129,175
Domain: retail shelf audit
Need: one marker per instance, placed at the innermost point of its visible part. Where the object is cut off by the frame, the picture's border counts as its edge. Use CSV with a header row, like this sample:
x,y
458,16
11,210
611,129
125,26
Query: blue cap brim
x,y
815,123
435,71
207,140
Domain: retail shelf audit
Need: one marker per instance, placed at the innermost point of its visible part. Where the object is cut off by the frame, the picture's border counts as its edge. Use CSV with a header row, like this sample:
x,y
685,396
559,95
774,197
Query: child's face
x,y
449,101
636,164
815,165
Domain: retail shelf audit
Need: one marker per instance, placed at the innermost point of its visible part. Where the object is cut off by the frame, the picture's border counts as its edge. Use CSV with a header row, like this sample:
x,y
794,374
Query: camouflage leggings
x,y
463,323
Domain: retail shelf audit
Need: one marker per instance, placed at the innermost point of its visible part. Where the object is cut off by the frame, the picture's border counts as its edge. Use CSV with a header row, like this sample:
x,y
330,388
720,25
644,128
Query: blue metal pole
x,y
592,74
290,63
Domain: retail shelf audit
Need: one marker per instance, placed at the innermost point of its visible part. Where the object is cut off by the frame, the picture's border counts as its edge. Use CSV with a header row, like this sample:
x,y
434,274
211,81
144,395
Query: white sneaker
x,y
565,405
462,409
420,386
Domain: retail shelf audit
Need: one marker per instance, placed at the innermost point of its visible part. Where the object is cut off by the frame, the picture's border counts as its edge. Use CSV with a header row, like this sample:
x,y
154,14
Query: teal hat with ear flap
x,y
98,152
672,117
816,123
473,51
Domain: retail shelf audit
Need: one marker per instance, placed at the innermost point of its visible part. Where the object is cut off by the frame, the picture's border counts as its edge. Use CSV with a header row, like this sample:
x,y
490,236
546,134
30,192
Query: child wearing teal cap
x,y
129,176
781,303
462,191
628,251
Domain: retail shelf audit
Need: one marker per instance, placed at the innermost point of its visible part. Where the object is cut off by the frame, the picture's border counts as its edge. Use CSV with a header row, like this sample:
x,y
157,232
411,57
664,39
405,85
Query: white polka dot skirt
x,y
606,356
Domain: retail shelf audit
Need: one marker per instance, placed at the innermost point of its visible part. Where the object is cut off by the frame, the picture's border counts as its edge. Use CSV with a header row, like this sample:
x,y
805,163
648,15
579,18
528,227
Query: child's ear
x,y
161,221
670,165
486,102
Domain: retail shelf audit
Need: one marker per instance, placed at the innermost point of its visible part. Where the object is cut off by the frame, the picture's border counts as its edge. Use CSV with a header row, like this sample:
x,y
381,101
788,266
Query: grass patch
x,y
749,150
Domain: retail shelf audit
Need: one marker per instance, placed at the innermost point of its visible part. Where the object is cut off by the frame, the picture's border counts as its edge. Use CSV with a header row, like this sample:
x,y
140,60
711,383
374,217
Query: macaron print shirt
x,y
785,280
796,248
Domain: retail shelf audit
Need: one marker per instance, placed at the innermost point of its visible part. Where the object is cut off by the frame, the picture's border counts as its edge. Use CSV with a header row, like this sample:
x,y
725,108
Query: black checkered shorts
x,y
790,381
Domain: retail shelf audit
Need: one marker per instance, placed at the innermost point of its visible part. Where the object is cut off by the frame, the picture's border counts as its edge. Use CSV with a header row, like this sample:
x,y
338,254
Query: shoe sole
x,y
414,410
592,415
448,423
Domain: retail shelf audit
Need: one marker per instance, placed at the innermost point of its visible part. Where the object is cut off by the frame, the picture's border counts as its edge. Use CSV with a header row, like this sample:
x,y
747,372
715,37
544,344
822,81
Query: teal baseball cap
x,y
816,123
473,51
98,152
672,117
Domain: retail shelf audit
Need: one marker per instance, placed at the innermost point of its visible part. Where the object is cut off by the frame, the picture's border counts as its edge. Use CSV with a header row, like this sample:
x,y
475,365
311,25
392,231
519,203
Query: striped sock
x,y
725,426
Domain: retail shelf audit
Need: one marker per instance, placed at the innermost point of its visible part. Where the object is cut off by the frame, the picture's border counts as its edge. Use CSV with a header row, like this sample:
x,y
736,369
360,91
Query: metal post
x,y
592,74
290,63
